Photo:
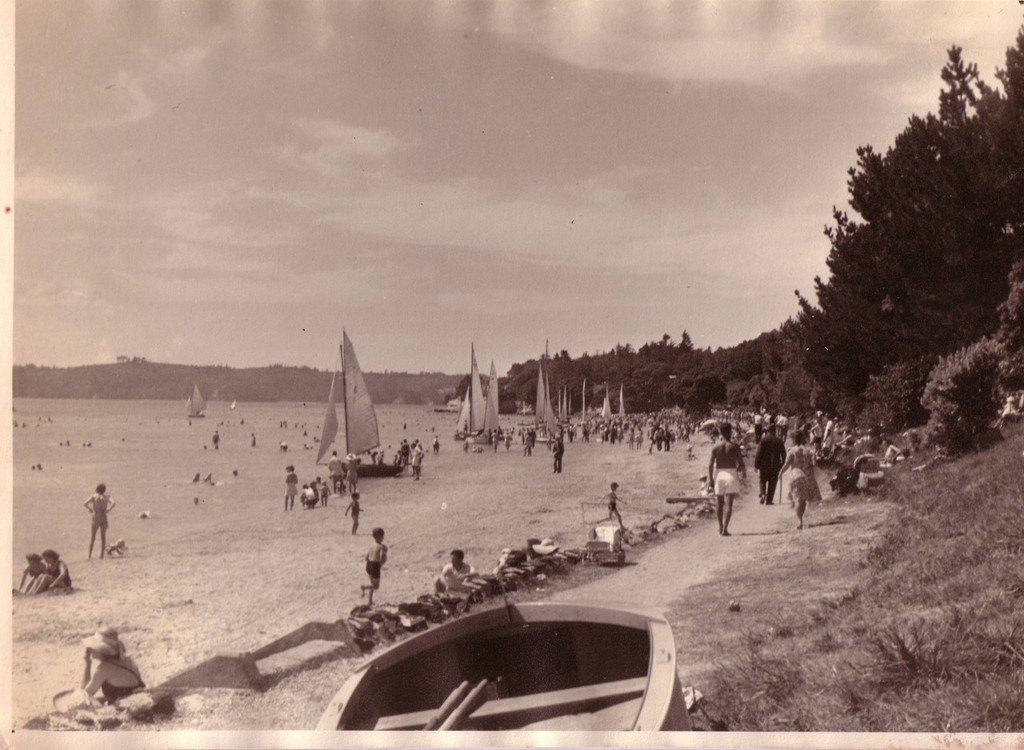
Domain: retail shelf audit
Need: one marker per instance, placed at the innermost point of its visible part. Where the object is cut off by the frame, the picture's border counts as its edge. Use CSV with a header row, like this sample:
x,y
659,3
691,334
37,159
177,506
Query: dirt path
x,y
661,575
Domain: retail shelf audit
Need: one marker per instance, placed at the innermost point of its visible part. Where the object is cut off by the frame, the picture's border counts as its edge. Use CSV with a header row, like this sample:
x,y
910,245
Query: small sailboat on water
x,y
471,422
196,404
361,432
234,405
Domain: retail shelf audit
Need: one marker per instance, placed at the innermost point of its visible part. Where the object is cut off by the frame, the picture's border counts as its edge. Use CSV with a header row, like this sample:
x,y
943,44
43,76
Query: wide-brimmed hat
x,y
104,643
351,457
546,547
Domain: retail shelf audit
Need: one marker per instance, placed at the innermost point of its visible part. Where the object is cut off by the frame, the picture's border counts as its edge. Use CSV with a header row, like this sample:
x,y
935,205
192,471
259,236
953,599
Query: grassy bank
x,y
923,632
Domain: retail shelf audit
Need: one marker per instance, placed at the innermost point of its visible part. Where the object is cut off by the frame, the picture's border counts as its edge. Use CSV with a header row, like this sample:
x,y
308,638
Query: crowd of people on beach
x,y
782,446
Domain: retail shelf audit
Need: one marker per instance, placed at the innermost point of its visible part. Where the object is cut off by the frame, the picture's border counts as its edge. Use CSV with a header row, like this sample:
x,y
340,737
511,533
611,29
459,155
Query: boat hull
x,y
372,470
543,666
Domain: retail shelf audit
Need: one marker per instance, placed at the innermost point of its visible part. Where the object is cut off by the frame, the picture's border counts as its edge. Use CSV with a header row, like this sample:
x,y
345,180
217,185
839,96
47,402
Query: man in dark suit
x,y
771,454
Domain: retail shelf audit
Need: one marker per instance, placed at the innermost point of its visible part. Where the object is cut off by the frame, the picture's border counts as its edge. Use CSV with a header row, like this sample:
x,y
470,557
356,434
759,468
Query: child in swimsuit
x,y
375,559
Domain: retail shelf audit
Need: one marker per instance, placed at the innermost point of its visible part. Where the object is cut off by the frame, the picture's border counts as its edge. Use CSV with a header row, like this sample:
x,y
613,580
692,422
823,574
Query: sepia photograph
x,y
503,373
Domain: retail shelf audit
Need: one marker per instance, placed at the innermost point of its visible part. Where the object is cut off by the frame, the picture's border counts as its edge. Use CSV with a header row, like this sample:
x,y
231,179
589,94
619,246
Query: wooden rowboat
x,y
538,666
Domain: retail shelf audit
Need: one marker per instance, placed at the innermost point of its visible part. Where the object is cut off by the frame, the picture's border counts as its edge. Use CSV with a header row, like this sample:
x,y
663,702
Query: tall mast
x,y
344,389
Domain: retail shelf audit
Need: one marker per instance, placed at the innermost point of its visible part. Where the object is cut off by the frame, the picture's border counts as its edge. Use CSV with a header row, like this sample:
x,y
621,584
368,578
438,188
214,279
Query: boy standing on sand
x,y
613,505
291,483
354,507
375,559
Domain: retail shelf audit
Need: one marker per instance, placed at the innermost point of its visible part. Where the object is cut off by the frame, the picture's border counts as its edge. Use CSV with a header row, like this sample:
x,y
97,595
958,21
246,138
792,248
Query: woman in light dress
x,y
803,484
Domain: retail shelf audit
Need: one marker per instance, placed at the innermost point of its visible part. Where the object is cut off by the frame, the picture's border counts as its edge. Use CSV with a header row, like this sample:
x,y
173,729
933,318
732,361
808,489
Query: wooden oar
x,y
464,709
449,704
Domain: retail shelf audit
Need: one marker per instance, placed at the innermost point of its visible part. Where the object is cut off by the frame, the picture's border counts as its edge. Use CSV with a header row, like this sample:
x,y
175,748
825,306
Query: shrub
x,y
963,395
893,397
1011,330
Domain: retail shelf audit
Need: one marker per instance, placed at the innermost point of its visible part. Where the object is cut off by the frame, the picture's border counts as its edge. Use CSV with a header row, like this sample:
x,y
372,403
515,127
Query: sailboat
x,y
471,418
544,416
196,403
606,409
583,408
491,423
361,433
233,405
622,403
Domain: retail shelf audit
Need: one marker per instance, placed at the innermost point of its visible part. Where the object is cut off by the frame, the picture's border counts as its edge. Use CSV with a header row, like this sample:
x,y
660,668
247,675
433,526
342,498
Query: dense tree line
x,y
923,271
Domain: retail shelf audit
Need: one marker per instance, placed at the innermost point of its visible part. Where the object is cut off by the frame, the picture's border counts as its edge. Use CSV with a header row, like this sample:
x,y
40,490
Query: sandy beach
x,y
235,571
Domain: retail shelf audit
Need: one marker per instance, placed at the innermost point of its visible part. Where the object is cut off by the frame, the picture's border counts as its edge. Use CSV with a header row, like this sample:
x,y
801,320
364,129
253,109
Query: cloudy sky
x,y
233,182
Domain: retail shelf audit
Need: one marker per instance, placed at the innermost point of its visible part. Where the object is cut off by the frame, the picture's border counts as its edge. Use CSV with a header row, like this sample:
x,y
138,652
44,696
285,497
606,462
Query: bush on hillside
x,y
893,398
963,395
1011,330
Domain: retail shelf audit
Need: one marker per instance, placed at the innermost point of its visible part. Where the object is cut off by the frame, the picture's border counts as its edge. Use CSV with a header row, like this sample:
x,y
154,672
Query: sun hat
x,y
546,547
104,642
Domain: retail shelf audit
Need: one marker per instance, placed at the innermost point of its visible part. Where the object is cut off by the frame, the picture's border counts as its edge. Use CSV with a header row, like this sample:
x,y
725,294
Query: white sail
x,y
622,402
477,406
330,431
196,403
462,425
583,409
361,433
545,414
491,410
234,404
606,409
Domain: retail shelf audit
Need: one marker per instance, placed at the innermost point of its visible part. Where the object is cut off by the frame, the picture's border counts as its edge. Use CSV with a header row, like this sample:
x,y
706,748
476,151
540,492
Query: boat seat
x,y
533,707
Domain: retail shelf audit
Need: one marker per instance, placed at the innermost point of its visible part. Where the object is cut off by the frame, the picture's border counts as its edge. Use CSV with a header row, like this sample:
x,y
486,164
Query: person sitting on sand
x,y
456,576
115,674
55,577
35,568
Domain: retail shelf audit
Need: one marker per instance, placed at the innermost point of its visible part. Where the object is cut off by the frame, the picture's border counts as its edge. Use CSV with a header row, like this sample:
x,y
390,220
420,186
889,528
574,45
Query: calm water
x,y
147,453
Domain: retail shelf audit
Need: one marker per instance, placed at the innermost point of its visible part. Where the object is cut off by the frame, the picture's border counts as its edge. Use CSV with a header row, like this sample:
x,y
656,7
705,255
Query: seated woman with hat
x,y
115,673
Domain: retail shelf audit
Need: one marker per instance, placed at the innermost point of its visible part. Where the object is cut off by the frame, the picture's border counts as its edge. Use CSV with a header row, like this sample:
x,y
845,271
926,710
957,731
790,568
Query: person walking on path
x,y
354,508
771,454
803,485
291,483
216,440
99,505
725,463
559,451
376,556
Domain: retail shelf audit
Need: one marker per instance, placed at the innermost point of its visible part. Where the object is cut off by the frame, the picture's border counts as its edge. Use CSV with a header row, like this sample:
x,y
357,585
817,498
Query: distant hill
x,y
140,379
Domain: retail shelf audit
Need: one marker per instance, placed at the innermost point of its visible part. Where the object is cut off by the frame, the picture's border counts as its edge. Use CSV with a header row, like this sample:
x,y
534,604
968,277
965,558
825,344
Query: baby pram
x,y
604,545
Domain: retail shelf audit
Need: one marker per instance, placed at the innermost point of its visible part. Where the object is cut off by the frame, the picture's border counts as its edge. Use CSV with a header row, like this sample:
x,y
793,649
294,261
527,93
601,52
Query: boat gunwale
x,y
662,680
